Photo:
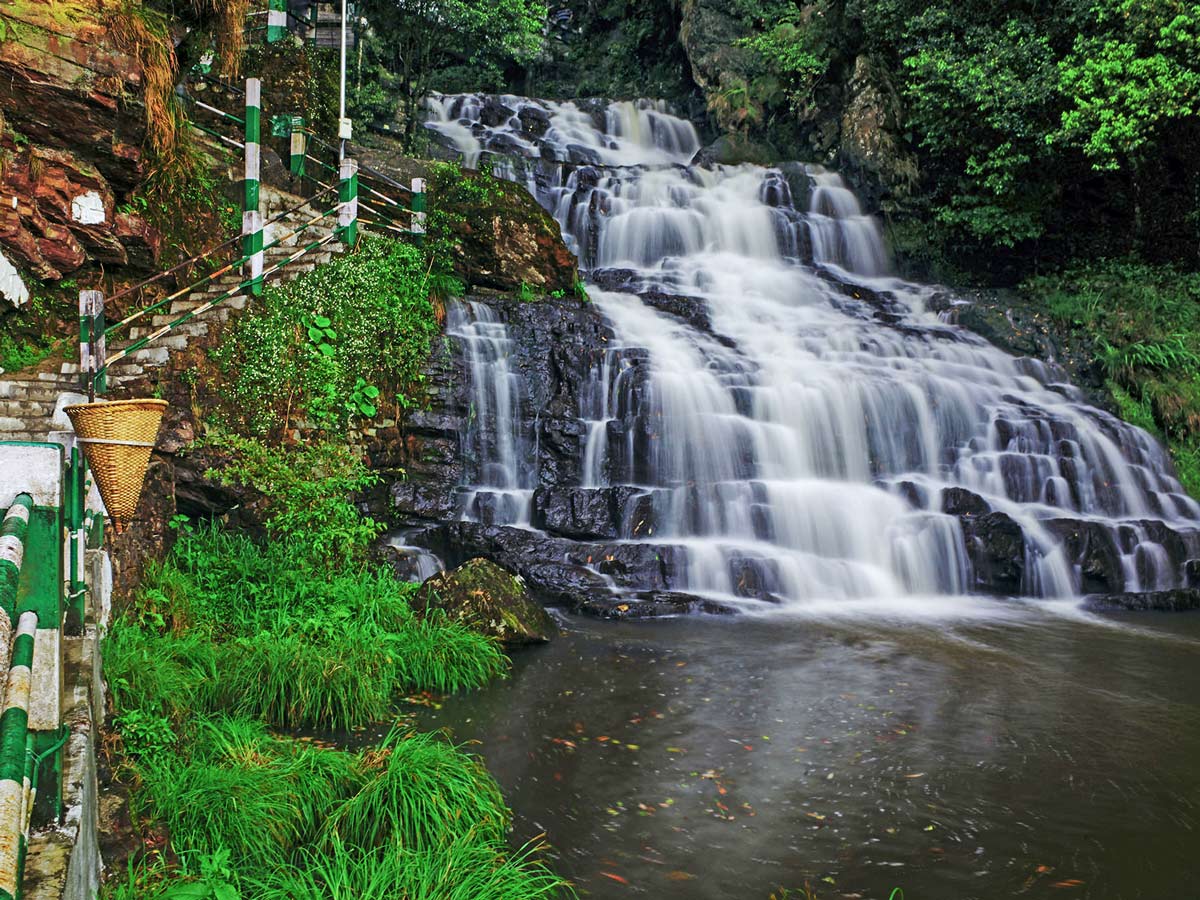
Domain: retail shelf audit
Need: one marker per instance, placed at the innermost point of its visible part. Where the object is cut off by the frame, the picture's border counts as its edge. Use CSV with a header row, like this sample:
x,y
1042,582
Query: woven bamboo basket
x,y
117,438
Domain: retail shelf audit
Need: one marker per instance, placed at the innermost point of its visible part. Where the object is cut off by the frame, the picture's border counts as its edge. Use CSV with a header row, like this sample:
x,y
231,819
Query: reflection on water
x,y
1007,751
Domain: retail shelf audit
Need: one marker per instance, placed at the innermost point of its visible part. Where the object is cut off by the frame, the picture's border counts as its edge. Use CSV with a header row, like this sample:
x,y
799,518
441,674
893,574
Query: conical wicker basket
x,y
117,437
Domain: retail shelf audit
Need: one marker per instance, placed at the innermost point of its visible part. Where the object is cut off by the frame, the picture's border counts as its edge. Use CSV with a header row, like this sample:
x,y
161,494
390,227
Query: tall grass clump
x,y
294,680
239,790
422,792
466,869
156,673
434,653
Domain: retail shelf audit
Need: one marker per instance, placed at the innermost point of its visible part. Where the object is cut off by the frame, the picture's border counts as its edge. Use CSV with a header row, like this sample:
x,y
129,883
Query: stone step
x,y
153,355
40,392
26,407
192,328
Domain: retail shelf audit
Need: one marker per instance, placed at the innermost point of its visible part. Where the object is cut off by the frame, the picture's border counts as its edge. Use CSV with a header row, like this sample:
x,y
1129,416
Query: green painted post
x,y
12,554
276,20
92,352
14,727
299,147
348,194
76,497
418,210
252,223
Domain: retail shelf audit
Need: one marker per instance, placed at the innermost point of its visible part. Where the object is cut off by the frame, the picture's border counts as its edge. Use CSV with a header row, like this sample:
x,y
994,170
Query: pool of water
x,y
954,748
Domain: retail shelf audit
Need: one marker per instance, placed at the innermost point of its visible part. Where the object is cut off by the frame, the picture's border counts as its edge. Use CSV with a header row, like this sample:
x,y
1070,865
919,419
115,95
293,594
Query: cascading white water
x,y
806,447
503,479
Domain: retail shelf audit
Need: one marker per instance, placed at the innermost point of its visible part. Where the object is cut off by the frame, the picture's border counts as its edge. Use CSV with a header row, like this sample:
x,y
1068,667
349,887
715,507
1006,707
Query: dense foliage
x,y
1045,127
339,343
613,48
421,45
1145,324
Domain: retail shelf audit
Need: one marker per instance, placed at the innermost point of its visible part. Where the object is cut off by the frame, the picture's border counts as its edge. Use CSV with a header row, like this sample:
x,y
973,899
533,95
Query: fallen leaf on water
x,y
616,878
632,747
1069,883
678,875
929,827
817,816
916,775
1044,870
676,750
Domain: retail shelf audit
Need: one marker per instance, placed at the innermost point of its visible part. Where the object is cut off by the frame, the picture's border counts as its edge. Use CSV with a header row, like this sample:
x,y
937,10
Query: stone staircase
x,y
32,403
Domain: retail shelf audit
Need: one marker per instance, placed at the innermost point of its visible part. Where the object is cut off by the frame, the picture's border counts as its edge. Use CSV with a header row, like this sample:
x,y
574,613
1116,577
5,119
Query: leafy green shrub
x,y
308,487
365,320
144,734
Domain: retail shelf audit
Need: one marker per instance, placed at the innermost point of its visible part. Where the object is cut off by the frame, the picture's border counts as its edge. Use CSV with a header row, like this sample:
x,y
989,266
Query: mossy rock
x,y
489,599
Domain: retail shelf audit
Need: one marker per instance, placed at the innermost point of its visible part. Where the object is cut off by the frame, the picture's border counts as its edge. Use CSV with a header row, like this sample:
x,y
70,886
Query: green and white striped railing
x,y
40,491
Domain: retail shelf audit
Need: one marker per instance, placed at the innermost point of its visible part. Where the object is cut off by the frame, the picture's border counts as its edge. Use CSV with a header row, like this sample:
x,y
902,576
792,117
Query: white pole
x,y
342,96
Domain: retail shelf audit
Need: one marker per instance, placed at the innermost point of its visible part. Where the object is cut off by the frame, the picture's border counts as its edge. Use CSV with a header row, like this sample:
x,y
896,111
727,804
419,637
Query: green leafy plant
x,y
320,334
526,294
144,734
362,399
310,489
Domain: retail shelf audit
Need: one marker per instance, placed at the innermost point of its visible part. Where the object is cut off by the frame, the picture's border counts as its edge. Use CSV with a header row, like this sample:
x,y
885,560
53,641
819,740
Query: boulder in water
x,y
489,599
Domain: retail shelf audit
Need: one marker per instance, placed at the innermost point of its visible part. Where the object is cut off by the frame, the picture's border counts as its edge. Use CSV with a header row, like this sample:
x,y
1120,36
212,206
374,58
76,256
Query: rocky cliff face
x,y
74,136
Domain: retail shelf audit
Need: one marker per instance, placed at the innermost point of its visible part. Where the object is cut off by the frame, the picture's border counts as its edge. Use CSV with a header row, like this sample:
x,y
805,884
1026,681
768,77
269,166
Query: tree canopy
x,y
417,40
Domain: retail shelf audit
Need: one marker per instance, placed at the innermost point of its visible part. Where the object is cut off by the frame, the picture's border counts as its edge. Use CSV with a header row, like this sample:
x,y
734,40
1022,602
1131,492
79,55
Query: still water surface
x,y
956,748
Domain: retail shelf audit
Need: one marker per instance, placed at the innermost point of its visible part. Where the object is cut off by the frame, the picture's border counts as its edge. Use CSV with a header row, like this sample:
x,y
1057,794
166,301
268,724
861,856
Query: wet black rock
x,y
958,501
535,122
1179,600
654,604
996,548
581,513
495,113
1091,547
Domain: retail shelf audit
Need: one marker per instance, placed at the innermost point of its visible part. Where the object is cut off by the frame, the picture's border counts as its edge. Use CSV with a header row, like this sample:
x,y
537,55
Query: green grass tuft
x,y
466,869
424,792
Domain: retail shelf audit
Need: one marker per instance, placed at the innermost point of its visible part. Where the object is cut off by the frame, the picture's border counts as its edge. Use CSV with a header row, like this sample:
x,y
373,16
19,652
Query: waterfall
x,y
503,478
808,430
